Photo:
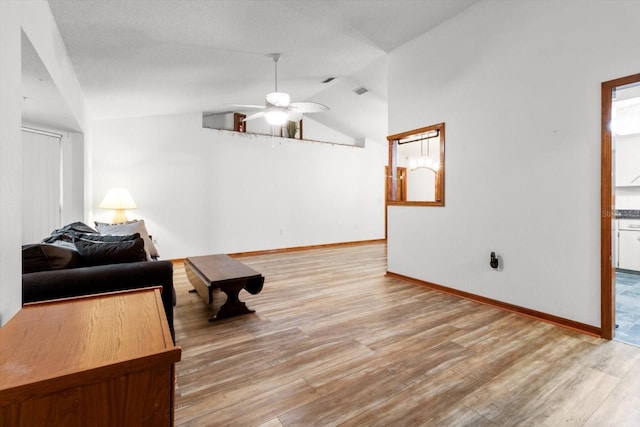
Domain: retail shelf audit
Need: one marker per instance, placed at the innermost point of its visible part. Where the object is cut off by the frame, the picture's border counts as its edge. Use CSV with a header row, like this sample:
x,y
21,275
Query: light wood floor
x,y
334,342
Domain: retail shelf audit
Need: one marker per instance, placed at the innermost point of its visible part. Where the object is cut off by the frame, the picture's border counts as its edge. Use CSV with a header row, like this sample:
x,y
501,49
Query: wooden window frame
x,y
440,175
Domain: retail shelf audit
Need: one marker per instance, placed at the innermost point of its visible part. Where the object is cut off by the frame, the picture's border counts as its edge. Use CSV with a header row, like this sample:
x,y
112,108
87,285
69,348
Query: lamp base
x,y
119,216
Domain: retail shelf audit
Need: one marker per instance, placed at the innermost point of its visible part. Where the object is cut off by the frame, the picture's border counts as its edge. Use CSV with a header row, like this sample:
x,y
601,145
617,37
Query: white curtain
x,y
41,189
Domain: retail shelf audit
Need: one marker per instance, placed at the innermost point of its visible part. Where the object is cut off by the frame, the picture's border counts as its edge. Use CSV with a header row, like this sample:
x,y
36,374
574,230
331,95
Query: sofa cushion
x,y
102,253
46,257
130,227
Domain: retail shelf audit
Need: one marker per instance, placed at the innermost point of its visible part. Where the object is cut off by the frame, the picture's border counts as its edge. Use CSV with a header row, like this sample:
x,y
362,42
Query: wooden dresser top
x,y
98,334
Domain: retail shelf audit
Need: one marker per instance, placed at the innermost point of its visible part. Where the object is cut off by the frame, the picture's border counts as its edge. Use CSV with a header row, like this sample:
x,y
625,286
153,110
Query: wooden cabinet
x,y
104,360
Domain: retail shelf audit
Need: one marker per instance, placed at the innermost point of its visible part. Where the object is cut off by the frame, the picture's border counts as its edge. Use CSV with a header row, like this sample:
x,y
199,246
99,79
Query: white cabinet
x,y
629,244
616,245
627,160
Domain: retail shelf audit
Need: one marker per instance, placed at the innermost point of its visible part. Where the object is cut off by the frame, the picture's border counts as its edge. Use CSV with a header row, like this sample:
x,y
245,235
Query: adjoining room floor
x,y
628,307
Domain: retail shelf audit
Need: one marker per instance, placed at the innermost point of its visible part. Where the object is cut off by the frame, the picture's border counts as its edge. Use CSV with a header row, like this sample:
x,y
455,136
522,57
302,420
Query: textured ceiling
x,y
149,57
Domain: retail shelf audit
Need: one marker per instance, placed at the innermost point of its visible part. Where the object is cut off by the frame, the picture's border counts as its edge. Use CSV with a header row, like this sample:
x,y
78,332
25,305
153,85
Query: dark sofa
x,y
54,284
76,261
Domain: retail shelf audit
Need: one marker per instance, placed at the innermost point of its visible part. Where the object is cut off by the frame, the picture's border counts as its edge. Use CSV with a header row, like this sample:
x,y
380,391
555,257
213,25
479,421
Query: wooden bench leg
x,y
232,306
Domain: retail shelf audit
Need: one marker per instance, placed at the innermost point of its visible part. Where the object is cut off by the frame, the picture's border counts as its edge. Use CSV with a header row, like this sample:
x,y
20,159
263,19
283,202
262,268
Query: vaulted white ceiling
x,y
151,57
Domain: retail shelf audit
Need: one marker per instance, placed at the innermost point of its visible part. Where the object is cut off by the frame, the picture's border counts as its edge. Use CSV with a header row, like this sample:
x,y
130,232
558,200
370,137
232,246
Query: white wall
x,y
518,85
314,130
628,198
41,29
204,191
10,161
73,177
35,19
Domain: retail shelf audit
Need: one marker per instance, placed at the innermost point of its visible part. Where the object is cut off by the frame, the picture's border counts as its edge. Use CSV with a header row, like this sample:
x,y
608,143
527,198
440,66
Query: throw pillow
x,y
101,253
130,227
45,257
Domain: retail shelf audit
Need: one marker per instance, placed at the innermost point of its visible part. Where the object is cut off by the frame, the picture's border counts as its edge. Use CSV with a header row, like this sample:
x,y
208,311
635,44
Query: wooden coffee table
x,y
209,272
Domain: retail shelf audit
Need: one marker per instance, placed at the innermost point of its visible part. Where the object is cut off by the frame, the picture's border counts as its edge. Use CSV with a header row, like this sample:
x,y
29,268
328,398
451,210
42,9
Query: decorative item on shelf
x,y
119,200
424,161
239,125
292,128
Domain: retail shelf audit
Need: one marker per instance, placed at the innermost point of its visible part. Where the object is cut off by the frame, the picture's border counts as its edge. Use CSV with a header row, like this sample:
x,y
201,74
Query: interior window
x,y
416,175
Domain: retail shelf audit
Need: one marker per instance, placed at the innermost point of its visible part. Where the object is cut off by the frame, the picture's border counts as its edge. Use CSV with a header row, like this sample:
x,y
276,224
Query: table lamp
x,y
119,200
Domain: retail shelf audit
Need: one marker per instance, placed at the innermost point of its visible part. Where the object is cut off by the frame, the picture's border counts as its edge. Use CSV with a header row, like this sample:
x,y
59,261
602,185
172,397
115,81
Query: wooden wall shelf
x,y
249,134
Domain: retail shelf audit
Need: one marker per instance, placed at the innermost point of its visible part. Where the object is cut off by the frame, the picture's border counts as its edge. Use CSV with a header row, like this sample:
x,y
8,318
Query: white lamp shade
x,y
118,198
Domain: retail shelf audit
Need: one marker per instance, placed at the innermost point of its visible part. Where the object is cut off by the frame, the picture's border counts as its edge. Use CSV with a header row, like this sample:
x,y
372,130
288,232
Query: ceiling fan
x,y
278,108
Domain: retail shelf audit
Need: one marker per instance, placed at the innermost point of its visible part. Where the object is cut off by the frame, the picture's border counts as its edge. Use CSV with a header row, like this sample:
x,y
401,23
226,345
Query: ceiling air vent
x,y
361,90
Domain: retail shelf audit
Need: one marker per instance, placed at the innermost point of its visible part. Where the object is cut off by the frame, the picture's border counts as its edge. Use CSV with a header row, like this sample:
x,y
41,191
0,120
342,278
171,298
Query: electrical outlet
x,y
494,261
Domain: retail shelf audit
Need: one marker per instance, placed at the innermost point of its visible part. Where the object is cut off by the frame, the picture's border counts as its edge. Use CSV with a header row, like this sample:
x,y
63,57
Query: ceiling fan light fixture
x,y
278,108
276,117
278,99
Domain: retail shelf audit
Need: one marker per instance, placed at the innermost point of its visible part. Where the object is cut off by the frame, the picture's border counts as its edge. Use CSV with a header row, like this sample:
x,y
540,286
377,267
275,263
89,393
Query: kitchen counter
x,y
627,214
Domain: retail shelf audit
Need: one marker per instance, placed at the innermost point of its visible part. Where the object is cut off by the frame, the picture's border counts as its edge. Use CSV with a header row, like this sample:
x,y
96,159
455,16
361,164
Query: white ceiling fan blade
x,y
295,117
247,107
307,107
254,116
278,106
278,99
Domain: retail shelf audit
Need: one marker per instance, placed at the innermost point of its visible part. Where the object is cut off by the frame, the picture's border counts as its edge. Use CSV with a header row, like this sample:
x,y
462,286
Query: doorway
x,y
41,184
608,222
401,187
